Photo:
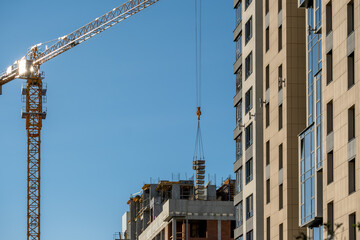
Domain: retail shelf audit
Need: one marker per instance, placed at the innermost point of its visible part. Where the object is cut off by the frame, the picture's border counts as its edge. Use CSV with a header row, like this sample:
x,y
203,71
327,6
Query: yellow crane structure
x,y
28,68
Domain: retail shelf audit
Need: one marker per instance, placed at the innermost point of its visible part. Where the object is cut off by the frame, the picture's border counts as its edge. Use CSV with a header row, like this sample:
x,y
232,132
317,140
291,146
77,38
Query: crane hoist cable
x,y
198,158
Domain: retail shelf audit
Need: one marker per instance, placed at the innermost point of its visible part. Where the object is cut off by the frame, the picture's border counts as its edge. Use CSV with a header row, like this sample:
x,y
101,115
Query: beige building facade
x,y
332,196
284,112
248,134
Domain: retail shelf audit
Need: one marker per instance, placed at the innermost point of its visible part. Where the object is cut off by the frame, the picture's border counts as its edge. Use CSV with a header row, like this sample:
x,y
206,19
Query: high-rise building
x,y
284,115
267,169
329,170
248,134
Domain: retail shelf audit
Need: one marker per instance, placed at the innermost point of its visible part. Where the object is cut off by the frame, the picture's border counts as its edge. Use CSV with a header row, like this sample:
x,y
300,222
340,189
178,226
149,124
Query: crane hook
x,y
198,113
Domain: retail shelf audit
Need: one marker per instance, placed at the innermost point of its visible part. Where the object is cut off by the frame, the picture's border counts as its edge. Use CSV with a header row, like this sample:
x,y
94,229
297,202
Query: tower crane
x,y
28,68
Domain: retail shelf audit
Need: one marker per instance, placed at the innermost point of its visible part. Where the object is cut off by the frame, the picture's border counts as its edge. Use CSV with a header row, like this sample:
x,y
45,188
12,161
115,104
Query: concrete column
x,y
174,229
219,229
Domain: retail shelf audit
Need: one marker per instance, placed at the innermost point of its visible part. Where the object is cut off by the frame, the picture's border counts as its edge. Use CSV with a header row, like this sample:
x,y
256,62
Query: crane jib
x,y
79,36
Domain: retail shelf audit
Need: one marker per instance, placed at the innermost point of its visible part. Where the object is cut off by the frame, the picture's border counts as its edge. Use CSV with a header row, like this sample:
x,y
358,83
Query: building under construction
x,y
169,210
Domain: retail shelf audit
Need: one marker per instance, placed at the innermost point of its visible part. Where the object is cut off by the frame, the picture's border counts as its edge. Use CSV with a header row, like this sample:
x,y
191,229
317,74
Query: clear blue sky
x,y
121,110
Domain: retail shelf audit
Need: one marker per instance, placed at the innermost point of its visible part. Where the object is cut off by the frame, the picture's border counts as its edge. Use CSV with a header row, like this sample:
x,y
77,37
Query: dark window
x,y
249,207
267,153
329,117
248,66
248,100
281,230
281,195
279,5
267,39
351,123
351,70
352,176
249,170
352,227
268,228
198,229
266,7
280,37
248,30
267,191
280,156
248,136
267,77
328,18
280,117
247,3
330,167
330,217
280,77
350,17
267,114
329,67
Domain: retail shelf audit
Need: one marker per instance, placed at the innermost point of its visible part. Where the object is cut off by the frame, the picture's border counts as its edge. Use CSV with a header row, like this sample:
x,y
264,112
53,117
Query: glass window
x,y
319,137
307,176
239,80
328,18
281,201
239,113
268,228
249,171
280,156
267,77
317,14
238,47
281,232
266,7
351,123
239,180
330,217
248,100
267,39
279,5
318,233
329,67
267,114
352,228
248,136
280,38
350,17
352,176
248,66
239,214
351,71
248,30
329,117
330,167
247,3
267,191
280,117
239,150
267,155
238,14
249,207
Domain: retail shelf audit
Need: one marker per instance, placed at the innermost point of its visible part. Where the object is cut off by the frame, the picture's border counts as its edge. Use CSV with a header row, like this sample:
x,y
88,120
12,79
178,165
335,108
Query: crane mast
x,y
28,68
